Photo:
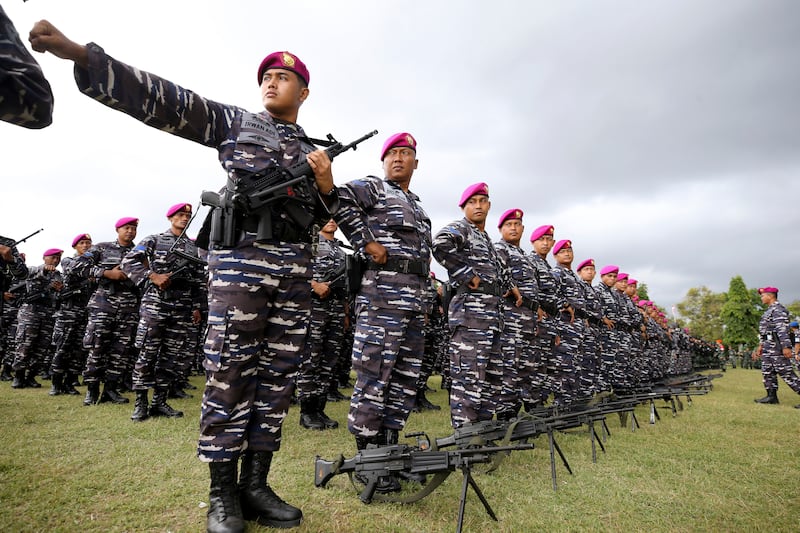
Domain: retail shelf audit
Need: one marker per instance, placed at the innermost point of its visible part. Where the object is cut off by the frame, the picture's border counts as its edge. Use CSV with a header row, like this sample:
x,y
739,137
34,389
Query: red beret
x,y
511,214
632,281
608,269
399,139
284,60
622,276
540,231
563,243
773,290
126,220
473,190
179,207
79,238
52,251
585,263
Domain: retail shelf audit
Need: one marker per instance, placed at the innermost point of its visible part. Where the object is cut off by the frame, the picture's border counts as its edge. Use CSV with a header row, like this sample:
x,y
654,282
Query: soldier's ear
x,y
304,92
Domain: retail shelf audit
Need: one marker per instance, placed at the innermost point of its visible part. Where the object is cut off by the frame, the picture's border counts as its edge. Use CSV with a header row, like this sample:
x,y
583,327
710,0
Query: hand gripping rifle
x,y
253,195
372,463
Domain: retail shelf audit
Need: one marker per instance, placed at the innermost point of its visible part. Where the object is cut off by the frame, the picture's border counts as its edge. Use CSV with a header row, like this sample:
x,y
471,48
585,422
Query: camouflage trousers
x,y
164,342
587,366
387,350
109,339
321,352
7,334
774,365
34,337
70,355
476,374
609,345
562,373
435,345
518,338
257,326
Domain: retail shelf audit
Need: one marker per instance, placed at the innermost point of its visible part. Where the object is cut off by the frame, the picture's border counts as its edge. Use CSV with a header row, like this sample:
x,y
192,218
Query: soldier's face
x,y
180,220
52,260
609,280
330,227
82,246
587,273
630,290
126,234
477,209
399,164
512,231
621,285
282,92
565,256
543,245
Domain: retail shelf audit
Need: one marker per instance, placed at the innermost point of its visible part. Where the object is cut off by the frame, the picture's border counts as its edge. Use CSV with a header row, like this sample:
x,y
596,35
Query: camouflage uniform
x,y
519,332
610,339
25,95
391,303
10,276
773,330
475,318
259,298
35,321
435,344
163,336
592,313
631,339
573,359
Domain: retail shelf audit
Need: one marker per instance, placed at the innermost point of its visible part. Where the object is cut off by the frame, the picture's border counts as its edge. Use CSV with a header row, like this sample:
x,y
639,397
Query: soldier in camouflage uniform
x,y
167,266
384,219
554,309
630,327
12,271
433,346
775,347
519,332
590,372
25,95
113,315
481,280
69,358
35,320
259,298
325,331
610,339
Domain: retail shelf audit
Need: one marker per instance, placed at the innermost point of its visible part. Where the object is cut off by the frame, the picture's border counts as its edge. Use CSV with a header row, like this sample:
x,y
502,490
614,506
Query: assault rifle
x,y
373,463
5,241
252,196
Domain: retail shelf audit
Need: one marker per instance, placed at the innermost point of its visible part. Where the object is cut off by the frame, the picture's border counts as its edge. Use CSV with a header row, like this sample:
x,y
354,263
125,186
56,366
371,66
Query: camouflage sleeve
x,y
25,95
447,247
153,100
136,263
355,199
780,321
17,269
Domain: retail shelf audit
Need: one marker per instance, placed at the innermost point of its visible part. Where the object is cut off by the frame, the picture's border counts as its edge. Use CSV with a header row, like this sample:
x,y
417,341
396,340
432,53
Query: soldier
x,y
433,346
326,330
481,280
596,322
630,327
25,95
384,219
552,305
610,340
35,320
259,301
12,269
775,347
113,315
169,269
519,323
70,355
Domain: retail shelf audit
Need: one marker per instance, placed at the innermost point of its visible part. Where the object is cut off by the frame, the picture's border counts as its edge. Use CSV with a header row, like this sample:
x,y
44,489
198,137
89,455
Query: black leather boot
x,y
224,508
19,379
30,380
159,406
259,501
423,404
140,411
309,417
327,421
111,394
5,373
92,393
771,397
57,386
68,386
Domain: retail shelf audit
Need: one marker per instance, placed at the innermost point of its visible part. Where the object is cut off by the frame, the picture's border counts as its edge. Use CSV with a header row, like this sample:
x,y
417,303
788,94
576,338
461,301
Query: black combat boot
x,y
392,438
159,406
140,412
224,509
68,386
771,397
57,386
327,421
92,393
309,416
19,379
5,373
176,391
333,391
111,394
30,380
423,404
259,501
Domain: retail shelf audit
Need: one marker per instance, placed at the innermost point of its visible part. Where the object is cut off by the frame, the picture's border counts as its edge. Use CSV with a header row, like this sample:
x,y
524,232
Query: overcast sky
x,y
662,136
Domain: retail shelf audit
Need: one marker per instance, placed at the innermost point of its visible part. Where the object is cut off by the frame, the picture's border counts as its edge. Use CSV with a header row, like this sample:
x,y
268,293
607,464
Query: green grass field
x,y
722,464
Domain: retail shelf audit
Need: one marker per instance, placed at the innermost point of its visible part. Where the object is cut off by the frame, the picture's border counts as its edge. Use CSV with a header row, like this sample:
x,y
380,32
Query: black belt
x,y
527,303
403,266
484,288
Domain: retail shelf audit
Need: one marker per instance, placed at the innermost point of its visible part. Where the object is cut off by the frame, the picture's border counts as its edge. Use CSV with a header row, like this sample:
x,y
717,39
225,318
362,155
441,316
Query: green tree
x,y
740,315
794,309
701,310
641,291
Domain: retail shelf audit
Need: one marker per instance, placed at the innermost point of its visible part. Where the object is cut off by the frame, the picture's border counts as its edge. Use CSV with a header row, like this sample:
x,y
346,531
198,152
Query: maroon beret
x,y
284,60
179,207
126,220
585,263
563,243
511,214
399,139
473,190
79,238
608,269
52,251
540,231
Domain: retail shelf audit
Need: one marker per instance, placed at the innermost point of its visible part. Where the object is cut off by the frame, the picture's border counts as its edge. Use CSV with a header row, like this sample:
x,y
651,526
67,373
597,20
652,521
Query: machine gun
x,y
253,196
373,463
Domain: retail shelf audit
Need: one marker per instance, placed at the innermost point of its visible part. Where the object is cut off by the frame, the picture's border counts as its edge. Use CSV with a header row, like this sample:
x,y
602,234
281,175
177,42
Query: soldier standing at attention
x,y
775,347
35,320
173,292
519,330
70,355
596,322
383,218
259,298
113,314
610,375
481,281
12,268
325,331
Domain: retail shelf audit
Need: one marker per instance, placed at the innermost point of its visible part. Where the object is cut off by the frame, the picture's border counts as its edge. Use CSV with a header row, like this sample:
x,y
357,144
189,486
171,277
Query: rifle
x,y
253,196
5,241
372,463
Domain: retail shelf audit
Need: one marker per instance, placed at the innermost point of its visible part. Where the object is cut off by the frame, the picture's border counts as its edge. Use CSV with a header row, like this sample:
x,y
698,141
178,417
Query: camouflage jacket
x,y
773,328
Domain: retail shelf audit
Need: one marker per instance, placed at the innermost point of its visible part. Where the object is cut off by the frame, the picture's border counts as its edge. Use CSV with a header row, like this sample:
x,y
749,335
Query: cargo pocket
x,y
368,347
217,346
